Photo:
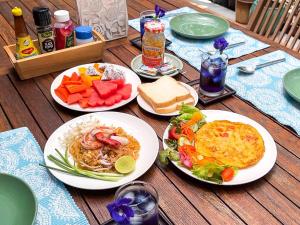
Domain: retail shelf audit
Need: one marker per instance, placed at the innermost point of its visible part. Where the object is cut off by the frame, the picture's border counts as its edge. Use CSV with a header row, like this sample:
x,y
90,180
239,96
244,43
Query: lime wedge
x,y
125,164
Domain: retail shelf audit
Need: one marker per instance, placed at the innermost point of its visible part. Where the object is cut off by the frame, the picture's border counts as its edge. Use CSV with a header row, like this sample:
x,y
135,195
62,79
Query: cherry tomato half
x,y
173,134
227,174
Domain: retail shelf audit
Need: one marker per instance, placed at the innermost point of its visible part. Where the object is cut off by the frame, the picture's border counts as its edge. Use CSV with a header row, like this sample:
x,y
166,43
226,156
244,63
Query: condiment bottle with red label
x,y
64,30
24,45
153,44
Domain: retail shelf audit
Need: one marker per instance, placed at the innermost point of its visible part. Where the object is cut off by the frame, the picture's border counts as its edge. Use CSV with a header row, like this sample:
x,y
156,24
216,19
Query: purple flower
x,y
220,44
159,12
120,210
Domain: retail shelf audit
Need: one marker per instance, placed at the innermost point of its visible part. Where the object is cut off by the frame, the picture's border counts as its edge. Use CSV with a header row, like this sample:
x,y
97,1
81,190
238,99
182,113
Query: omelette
x,y
232,143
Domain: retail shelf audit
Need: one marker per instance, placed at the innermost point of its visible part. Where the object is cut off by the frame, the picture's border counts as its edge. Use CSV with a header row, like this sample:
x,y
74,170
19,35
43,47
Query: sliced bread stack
x,y
165,95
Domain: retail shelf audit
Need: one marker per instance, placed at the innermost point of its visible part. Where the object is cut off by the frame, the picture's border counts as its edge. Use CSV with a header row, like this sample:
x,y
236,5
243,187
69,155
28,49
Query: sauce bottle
x,y
24,45
64,30
42,20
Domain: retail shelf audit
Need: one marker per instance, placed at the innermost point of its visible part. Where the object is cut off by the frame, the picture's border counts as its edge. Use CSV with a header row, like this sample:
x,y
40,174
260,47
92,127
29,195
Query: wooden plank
x,y
268,18
4,123
262,16
270,29
5,64
289,20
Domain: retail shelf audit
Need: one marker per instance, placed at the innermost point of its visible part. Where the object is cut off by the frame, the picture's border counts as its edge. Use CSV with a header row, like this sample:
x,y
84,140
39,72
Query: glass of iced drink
x,y
212,74
144,202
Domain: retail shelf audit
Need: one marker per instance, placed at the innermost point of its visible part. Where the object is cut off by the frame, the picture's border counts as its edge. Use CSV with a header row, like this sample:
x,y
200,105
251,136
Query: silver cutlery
x,y
251,69
228,47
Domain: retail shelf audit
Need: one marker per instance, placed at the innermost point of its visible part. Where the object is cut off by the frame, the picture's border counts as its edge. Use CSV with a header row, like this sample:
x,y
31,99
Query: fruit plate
x,y
144,105
131,124
244,175
130,77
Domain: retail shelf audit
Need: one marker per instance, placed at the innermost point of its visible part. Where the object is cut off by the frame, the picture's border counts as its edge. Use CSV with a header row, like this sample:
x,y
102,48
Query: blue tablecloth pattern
x,y
264,89
20,155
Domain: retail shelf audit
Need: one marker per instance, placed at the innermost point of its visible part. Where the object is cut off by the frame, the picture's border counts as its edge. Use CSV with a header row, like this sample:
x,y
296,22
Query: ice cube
x,y
130,195
205,64
141,197
214,70
136,220
217,79
147,205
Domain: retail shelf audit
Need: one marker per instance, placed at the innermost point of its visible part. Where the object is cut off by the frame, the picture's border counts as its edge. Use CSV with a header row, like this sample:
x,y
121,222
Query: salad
x,y
181,148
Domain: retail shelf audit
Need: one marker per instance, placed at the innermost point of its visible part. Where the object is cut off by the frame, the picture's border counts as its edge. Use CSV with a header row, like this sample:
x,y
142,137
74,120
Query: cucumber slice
x,y
183,141
195,127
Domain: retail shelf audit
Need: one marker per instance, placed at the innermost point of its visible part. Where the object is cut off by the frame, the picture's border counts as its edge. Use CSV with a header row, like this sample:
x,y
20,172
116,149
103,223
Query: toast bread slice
x,y
164,92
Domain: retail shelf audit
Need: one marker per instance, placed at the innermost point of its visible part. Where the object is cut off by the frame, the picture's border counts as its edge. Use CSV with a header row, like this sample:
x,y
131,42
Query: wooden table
x,y
274,199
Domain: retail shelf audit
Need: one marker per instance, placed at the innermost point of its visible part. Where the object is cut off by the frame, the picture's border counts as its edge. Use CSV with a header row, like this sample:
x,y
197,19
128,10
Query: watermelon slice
x,y
62,93
100,102
117,97
88,92
109,101
105,88
113,99
125,91
119,82
93,99
74,98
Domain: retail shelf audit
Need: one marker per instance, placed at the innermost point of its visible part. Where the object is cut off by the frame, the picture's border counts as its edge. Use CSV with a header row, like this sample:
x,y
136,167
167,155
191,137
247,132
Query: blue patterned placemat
x,y
265,90
20,155
188,49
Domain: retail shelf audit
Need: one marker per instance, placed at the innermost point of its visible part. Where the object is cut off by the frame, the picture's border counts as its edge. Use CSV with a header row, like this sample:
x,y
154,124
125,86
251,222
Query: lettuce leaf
x,y
168,154
209,171
188,109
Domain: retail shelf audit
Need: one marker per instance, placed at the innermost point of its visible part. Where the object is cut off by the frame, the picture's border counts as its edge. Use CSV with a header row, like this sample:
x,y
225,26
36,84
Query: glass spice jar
x,y
153,44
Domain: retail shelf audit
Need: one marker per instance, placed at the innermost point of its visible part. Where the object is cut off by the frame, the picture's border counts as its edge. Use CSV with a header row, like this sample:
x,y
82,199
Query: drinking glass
x,y
144,202
145,16
212,74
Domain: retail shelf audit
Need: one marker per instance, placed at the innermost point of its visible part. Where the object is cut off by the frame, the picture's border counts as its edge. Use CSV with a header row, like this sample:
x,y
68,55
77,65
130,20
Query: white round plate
x,y
130,77
244,175
144,105
136,63
134,126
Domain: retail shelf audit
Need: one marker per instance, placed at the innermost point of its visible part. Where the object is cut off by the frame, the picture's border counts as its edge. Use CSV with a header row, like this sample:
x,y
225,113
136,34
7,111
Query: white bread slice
x,y
174,107
163,92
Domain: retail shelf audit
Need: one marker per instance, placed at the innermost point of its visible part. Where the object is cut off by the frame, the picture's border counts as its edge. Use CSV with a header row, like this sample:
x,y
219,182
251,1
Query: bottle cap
x,y
154,26
41,16
16,11
61,16
83,32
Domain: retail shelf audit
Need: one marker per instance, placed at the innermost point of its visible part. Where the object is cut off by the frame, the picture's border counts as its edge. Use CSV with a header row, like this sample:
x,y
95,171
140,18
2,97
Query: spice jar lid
x,y
62,16
83,32
154,26
41,16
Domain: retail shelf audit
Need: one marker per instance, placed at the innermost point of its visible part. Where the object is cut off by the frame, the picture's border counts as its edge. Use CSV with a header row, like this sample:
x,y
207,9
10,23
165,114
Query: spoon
x,y
251,69
228,47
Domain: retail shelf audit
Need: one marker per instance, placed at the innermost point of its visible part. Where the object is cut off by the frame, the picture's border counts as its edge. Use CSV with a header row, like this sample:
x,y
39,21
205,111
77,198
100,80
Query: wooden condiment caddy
x,y
57,60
